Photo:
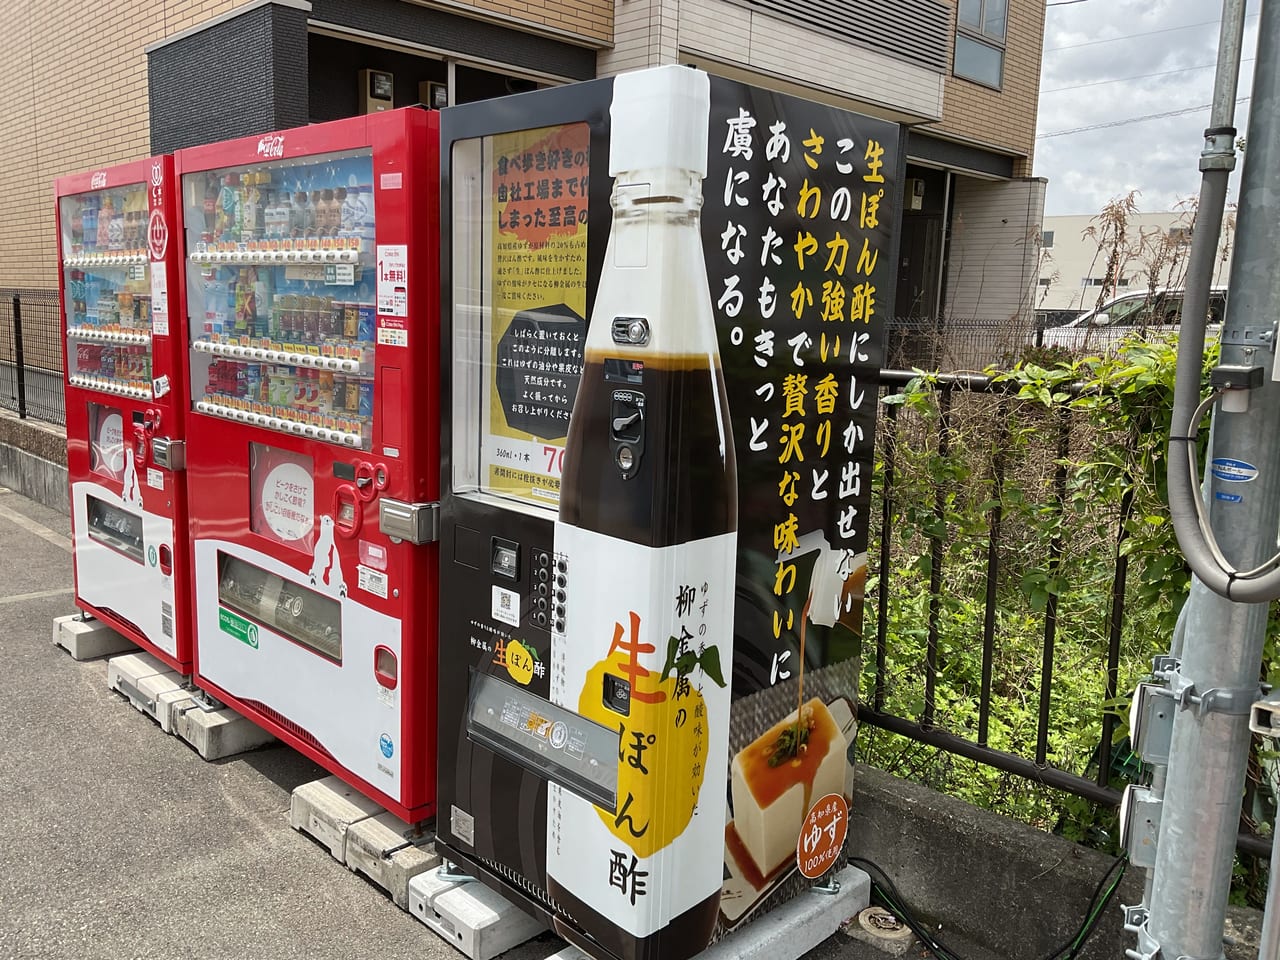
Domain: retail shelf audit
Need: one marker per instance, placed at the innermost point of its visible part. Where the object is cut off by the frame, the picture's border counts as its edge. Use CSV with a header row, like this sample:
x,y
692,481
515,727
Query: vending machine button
x,y
561,581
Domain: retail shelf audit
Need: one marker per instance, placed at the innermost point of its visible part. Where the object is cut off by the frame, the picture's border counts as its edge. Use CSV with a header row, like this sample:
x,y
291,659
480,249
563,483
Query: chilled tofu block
x,y
778,776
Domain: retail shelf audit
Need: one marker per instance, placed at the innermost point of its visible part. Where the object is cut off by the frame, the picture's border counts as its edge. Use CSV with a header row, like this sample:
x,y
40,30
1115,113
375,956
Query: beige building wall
x,y
73,80
73,77
995,238
1005,118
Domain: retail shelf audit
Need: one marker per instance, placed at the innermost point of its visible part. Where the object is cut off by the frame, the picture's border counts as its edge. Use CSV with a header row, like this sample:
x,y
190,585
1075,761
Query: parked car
x,y
1144,312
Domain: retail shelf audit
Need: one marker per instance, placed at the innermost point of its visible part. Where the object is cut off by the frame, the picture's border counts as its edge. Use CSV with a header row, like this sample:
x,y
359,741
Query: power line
x,y
1122,123
1063,3
1141,76
1148,33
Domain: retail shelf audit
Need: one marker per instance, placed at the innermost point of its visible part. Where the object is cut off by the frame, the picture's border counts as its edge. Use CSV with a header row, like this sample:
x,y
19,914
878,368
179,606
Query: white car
x,y
1144,312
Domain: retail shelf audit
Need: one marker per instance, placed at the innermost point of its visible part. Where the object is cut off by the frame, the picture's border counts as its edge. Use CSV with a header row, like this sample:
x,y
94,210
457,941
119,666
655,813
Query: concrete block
x,y
475,919
168,704
788,931
880,929
326,809
140,677
217,733
390,853
88,639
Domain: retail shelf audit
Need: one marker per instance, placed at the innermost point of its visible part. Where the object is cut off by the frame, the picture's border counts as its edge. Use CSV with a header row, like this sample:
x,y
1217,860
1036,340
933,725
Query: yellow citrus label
x,y
661,753
519,662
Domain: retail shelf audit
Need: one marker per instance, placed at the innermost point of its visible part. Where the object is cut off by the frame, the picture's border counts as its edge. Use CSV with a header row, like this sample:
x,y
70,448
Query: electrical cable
x,y
1202,517
1148,33
887,892
1140,76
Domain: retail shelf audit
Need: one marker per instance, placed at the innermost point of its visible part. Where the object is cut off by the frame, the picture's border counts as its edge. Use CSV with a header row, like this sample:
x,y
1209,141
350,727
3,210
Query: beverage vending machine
x,y
665,294
117,234
312,296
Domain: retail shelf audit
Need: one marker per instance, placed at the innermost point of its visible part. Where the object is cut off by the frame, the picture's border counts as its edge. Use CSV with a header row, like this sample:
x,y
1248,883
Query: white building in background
x,y
1076,251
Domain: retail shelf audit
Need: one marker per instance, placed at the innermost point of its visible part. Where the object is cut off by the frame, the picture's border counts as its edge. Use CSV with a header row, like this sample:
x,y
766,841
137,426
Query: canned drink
x,y
253,381
327,384
353,396
368,321
311,320
366,398
338,402
351,320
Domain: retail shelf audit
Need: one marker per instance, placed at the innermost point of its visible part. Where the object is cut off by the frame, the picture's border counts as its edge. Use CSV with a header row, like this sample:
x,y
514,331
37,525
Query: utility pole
x,y
1227,529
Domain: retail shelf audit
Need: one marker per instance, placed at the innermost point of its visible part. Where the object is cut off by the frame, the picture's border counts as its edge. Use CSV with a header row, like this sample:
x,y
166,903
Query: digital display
x,y
624,371
566,748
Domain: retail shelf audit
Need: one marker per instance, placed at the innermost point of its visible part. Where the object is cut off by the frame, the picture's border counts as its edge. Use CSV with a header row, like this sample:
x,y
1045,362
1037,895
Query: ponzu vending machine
x,y
312,296
665,294
118,233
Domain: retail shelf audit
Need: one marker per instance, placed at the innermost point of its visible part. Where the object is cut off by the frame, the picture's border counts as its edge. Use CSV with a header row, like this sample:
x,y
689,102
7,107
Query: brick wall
x,y
1006,117
73,80
73,77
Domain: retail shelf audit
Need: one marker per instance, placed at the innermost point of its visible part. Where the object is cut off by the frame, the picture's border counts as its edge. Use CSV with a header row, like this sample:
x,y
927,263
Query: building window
x,y
980,35
1101,281
1046,239
1044,281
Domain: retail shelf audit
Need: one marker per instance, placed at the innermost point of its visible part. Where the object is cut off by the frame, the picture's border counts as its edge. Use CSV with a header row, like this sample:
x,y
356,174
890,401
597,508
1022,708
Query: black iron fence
x,y
969,612
31,354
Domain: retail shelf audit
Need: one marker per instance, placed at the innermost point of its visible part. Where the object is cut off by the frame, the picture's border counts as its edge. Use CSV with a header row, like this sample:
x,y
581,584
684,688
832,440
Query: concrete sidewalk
x,y
120,842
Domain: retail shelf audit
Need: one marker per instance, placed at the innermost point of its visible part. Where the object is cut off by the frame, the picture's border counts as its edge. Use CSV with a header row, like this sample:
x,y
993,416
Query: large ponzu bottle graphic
x,y
647,527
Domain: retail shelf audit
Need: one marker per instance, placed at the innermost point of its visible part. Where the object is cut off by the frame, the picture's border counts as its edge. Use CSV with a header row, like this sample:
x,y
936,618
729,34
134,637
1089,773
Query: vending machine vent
x,y
527,886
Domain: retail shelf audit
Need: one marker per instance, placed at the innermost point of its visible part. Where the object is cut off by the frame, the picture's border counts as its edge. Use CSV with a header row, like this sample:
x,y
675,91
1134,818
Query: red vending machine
x,y
312,294
125,406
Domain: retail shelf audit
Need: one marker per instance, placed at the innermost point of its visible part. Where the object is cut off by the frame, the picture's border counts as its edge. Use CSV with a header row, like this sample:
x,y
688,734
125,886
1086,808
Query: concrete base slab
x,y
88,639
475,919
217,733
168,704
789,931
390,853
326,809
141,678
879,928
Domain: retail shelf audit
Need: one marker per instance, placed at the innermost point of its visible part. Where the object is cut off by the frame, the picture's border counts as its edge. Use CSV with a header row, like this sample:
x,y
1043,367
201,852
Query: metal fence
x,y
31,354
927,703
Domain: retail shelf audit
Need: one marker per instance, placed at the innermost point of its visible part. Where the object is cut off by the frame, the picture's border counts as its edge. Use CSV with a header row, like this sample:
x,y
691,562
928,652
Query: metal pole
x,y
19,364
1218,674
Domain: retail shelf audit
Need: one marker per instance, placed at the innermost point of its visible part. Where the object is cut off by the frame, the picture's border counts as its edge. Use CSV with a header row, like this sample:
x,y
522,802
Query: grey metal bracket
x,y
829,886
449,872
1233,703
1165,664
204,701
1264,717
1135,921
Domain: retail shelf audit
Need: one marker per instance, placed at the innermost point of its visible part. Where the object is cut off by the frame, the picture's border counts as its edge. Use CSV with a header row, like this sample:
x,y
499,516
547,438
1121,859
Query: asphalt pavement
x,y
119,842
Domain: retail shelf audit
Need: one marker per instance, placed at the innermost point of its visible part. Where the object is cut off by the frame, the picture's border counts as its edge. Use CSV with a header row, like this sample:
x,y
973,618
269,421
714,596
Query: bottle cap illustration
x,y
659,120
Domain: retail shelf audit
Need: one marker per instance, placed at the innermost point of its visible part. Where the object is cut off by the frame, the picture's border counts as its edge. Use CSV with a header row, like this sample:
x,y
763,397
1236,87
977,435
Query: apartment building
x,y
93,82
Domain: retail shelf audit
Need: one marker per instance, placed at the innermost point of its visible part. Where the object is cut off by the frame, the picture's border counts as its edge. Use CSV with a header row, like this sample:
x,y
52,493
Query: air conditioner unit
x,y
377,91
914,193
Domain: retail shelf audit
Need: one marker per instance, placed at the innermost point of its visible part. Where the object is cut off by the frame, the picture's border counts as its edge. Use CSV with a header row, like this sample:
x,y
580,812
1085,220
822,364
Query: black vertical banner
x,y
796,223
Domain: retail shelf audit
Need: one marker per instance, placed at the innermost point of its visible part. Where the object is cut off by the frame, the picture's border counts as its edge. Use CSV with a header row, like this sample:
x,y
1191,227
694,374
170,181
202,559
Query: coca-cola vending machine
x,y
118,239
664,295
312,295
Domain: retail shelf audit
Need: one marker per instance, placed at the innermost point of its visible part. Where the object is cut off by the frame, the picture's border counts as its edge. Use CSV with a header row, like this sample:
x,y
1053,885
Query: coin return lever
x,y
626,430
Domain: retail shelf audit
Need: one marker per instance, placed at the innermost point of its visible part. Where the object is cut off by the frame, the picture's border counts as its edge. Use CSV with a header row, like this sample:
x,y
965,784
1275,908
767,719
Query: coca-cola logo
x,y
271,147
98,180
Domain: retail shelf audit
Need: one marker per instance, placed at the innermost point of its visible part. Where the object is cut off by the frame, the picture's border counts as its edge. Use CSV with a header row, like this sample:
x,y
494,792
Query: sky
x,y
1121,60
